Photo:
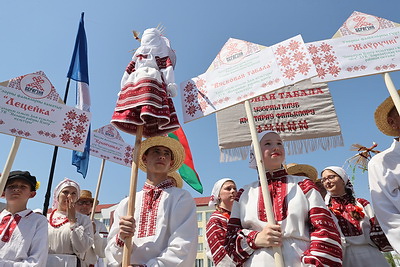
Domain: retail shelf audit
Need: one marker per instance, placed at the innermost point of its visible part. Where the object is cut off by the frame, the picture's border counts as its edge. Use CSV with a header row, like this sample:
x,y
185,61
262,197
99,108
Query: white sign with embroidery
x,y
107,143
32,115
364,45
242,71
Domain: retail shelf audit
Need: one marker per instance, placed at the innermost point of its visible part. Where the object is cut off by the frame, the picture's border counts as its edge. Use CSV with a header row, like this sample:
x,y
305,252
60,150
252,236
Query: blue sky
x,y
40,35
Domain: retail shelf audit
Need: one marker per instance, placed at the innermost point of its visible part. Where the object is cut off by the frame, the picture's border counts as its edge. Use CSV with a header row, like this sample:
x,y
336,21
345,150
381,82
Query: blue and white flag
x,y
78,71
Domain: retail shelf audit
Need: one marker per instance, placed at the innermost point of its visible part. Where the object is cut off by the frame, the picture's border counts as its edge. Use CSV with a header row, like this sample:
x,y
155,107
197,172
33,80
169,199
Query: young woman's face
x,y
272,151
227,195
333,183
67,194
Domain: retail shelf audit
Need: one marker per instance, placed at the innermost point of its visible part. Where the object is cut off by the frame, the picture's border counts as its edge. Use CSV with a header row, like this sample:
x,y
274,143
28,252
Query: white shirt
x,y
28,243
384,182
69,240
168,240
97,249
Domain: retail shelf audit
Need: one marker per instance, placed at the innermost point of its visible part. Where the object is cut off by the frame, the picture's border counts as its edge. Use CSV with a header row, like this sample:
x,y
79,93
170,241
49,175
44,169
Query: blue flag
x,y
78,71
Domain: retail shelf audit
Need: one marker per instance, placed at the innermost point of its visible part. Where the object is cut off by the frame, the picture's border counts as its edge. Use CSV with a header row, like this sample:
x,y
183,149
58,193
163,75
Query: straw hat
x,y
381,115
86,194
176,148
177,177
308,170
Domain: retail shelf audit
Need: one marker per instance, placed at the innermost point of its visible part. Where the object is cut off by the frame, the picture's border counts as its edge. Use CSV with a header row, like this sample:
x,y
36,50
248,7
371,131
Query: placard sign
x,y
242,71
107,143
33,116
302,114
364,45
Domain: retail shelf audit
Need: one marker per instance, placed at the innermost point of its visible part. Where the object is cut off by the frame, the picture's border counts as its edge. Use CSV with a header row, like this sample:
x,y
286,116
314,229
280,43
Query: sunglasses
x,y
84,202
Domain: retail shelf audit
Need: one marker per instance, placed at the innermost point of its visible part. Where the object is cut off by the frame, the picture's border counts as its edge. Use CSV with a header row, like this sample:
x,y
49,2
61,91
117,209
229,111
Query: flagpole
x,y
392,90
9,163
53,163
126,256
96,195
263,180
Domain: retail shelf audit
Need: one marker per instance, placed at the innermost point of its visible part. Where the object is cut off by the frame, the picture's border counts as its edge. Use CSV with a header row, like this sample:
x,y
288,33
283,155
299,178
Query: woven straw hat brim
x,y
178,179
309,170
176,148
381,115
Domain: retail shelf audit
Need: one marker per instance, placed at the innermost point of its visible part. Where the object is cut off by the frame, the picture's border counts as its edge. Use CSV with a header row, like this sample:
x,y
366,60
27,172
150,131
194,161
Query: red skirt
x,y
144,101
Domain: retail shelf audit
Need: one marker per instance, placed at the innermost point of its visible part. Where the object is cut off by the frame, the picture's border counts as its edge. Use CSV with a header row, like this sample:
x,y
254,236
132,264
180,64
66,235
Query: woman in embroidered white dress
x,y
70,233
305,230
222,196
355,217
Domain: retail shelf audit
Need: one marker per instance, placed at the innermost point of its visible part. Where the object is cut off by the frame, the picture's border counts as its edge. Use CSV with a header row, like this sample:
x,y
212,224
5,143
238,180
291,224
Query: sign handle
x,y
392,90
263,180
103,162
126,256
9,163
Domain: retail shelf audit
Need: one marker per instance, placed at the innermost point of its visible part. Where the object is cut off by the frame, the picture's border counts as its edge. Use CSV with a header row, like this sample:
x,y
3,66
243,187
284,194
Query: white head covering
x,y
64,183
215,191
343,175
252,161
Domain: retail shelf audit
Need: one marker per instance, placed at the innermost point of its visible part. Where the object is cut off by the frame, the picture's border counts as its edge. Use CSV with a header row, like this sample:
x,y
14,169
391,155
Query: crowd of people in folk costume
x,y
319,221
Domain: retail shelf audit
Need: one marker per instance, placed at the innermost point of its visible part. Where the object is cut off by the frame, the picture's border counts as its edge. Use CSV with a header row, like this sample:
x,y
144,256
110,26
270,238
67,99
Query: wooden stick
x,y
9,163
392,90
126,256
96,195
263,180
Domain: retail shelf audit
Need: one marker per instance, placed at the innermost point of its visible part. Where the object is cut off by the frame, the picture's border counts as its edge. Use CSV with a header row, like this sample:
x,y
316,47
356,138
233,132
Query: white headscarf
x,y
64,183
252,161
215,191
343,175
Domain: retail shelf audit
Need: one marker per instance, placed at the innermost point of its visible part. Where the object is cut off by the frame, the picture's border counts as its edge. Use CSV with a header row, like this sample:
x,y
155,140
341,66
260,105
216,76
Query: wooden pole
x,y
263,180
126,256
9,163
96,195
392,90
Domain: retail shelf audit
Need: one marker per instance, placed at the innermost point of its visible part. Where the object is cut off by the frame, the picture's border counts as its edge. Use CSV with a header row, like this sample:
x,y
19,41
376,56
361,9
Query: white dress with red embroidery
x,y
23,239
166,228
68,241
363,238
215,236
310,235
143,99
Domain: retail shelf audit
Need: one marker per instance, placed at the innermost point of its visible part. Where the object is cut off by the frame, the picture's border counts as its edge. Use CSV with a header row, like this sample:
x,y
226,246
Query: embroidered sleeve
x,y
215,233
376,234
325,246
239,242
131,67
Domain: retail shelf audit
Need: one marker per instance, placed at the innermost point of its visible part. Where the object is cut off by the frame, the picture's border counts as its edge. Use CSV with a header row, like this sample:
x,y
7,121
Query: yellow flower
x,y
37,185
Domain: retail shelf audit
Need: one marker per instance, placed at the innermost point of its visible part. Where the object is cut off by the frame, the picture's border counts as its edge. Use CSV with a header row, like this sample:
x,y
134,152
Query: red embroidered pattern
x,y
8,228
278,190
342,207
150,202
216,231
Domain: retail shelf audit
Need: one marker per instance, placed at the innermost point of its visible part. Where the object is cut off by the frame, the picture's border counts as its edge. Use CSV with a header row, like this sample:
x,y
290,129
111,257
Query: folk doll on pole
x,y
144,105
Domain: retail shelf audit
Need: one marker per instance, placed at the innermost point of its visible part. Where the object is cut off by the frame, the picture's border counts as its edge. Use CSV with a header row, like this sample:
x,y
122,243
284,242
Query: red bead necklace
x,y
59,224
